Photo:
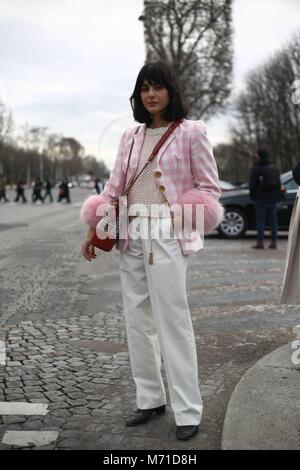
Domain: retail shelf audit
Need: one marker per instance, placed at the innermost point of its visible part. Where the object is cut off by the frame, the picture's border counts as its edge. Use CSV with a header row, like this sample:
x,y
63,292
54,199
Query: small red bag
x,y
112,229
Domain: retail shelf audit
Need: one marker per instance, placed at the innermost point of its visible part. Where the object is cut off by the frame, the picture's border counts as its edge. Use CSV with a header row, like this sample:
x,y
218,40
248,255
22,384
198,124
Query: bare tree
x,y
103,171
72,152
53,152
61,156
6,128
95,167
265,112
6,122
38,143
195,38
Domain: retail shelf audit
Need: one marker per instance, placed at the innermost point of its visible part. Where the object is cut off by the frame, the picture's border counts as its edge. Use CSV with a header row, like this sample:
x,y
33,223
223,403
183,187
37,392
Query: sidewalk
x,y
264,410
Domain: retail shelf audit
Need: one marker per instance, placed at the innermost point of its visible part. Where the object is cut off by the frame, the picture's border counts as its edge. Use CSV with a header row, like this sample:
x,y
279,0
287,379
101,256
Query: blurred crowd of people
x,y
40,190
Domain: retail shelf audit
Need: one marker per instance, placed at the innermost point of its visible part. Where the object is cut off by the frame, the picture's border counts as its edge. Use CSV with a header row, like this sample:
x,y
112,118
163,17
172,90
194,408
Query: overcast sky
x,y
71,65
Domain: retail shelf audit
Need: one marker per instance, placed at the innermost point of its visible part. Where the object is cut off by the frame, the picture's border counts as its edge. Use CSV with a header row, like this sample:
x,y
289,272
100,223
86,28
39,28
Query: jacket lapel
x,y
137,147
164,147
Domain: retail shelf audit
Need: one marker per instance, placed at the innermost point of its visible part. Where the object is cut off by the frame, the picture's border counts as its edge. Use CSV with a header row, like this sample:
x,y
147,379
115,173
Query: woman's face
x,y
155,97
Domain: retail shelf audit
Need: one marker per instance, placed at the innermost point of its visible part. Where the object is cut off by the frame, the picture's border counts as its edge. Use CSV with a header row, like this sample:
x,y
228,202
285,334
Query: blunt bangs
x,y
153,75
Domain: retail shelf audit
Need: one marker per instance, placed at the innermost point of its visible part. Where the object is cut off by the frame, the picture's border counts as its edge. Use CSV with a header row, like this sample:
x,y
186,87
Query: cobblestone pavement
x,y
62,324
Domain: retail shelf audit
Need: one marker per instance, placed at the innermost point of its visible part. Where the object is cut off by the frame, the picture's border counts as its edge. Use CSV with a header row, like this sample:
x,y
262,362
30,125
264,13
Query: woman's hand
x,y
87,249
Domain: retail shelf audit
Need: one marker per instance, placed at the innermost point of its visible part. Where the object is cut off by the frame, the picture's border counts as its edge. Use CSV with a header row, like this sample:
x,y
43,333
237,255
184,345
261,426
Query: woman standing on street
x,y
153,271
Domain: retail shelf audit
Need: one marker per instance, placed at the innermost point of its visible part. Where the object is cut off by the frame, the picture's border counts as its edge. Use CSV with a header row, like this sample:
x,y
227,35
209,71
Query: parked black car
x,y
240,213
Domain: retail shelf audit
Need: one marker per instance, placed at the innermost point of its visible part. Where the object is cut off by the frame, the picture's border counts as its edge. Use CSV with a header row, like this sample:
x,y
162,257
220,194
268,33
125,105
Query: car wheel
x,y
234,223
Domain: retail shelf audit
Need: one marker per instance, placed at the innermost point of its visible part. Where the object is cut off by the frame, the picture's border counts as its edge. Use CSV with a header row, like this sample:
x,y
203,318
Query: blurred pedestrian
x,y
265,191
3,188
36,190
290,291
296,173
64,191
20,188
48,192
98,186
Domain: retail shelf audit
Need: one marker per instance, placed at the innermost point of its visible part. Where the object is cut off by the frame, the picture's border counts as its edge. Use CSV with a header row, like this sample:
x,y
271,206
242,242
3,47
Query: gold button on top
x,y
157,174
162,188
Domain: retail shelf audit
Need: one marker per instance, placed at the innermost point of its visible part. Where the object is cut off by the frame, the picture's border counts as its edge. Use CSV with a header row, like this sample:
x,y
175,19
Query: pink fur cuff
x,y
92,209
213,210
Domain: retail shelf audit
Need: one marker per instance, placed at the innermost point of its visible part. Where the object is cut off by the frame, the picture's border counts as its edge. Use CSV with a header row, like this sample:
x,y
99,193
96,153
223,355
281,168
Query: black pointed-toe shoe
x,y
142,416
184,433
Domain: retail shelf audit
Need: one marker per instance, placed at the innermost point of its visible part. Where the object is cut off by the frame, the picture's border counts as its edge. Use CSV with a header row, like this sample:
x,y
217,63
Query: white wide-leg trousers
x,y
158,323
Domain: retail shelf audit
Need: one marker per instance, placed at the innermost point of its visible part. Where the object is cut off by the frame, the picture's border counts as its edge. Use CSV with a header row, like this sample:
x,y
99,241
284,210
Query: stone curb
x,y
263,411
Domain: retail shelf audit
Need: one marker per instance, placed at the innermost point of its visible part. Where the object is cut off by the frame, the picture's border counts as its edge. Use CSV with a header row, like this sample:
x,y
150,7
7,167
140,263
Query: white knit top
x,y
145,190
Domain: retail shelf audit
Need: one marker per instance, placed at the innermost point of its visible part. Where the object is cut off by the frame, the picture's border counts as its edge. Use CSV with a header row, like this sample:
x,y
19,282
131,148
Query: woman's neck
x,y
157,121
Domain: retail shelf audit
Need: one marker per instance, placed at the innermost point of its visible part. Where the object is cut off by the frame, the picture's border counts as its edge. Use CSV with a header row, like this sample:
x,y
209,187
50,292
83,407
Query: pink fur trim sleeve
x,y
213,210
93,208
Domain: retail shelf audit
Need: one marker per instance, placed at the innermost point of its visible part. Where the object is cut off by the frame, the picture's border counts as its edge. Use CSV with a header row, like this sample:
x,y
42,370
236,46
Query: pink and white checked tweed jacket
x,y
187,175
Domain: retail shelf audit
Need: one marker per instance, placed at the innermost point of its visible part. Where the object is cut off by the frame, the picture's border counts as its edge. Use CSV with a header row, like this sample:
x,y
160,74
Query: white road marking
x,y
2,353
23,408
29,438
